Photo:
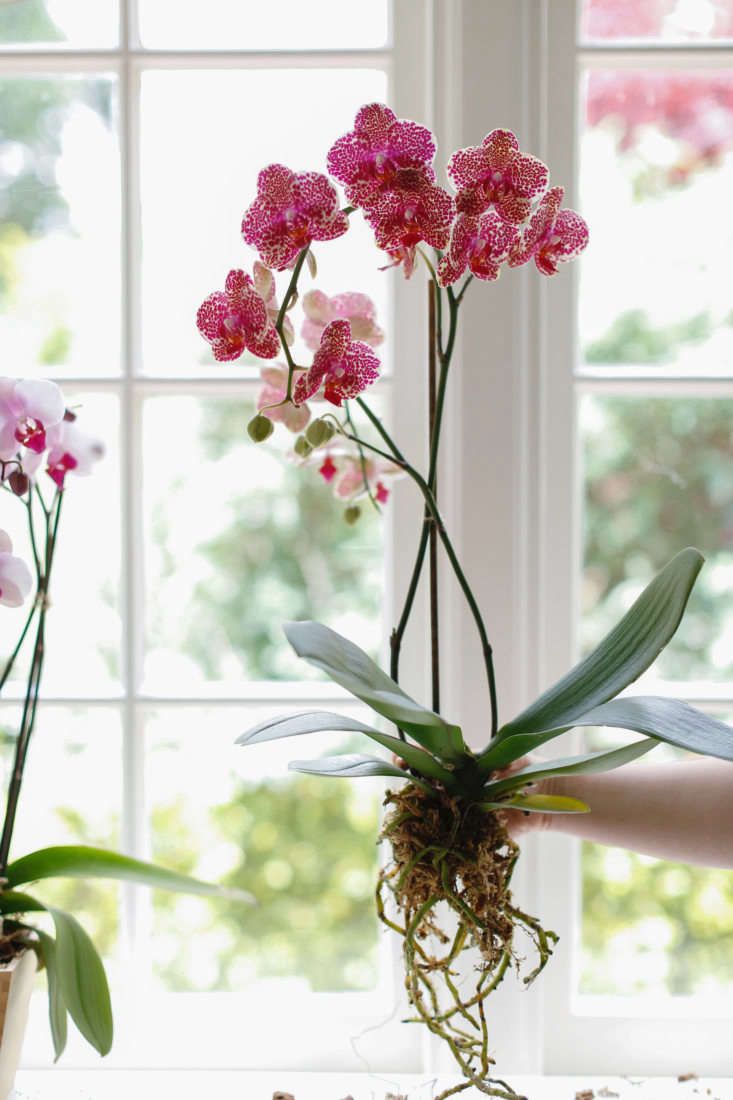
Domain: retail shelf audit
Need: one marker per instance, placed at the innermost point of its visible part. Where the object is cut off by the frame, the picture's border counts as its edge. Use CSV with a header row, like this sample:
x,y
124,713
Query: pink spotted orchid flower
x,y
342,367
402,219
343,470
385,164
28,409
275,379
371,158
16,581
328,469
236,319
290,211
481,244
553,236
497,174
358,309
71,450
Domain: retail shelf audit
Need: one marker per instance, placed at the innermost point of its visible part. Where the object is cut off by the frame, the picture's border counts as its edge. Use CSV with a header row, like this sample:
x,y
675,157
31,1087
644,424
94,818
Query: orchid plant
x,y
451,855
41,446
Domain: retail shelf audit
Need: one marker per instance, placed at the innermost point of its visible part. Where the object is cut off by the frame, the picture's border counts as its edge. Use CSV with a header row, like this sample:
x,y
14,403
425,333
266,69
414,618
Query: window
x,y
178,663
129,149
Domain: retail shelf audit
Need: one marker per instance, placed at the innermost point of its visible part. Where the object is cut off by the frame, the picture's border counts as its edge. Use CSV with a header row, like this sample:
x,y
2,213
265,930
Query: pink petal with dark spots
x,y
501,147
528,176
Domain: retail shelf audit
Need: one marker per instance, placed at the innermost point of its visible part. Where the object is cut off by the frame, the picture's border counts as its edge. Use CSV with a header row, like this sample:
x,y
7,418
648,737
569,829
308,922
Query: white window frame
x,y
463,66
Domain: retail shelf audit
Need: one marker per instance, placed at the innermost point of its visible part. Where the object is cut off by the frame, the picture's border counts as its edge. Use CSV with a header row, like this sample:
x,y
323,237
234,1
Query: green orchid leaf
x,y
502,753
602,761
294,725
631,647
78,861
668,720
541,804
57,1012
320,721
351,765
82,981
351,668
12,901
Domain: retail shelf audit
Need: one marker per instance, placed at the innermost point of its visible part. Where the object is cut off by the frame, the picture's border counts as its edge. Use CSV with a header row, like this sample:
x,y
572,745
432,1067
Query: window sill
x,y
60,1084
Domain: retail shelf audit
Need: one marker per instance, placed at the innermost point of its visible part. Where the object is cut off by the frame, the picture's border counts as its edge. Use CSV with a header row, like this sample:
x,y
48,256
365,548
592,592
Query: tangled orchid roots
x,y
452,854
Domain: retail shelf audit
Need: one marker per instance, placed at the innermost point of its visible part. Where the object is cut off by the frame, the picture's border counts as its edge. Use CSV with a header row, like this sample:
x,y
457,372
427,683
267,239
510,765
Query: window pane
x,y
83,623
659,477
59,22
656,176
72,794
193,202
304,846
239,540
661,20
319,25
652,927
60,224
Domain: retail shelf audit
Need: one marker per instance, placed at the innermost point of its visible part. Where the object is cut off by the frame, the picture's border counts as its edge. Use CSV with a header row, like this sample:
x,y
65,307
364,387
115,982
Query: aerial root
x,y
453,854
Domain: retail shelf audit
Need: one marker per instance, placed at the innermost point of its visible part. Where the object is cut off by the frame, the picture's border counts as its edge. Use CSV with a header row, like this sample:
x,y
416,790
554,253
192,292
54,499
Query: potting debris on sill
x,y
637,1087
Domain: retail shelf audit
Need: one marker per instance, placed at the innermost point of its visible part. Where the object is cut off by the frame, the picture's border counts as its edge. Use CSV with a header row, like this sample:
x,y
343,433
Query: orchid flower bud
x,y
19,483
320,432
351,514
260,428
302,447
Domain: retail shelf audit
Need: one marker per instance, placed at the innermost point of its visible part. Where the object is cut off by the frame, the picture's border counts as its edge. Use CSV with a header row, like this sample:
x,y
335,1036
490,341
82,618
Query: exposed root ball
x,y
446,850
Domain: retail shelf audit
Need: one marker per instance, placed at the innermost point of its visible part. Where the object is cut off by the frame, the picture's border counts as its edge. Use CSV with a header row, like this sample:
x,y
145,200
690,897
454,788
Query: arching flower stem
x,y
51,517
280,322
437,519
396,637
362,458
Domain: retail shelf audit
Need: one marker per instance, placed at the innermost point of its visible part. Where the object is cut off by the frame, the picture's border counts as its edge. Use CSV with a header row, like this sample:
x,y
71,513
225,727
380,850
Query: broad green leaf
x,y
79,861
541,804
572,765
56,1004
631,647
350,667
82,981
321,721
667,719
294,725
502,753
12,901
351,765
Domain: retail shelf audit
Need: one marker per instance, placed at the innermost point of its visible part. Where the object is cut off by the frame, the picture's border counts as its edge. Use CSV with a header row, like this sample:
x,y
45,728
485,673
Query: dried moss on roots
x,y
446,850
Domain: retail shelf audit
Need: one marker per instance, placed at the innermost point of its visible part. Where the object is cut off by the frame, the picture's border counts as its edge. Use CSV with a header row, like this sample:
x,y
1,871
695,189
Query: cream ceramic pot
x,y
16,986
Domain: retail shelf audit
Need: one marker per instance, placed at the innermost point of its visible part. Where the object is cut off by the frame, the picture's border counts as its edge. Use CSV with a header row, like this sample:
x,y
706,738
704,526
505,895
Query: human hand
x,y
520,822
